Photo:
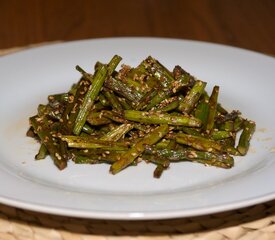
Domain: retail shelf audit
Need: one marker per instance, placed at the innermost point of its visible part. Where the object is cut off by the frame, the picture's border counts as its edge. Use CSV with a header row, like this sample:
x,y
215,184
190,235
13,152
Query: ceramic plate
x,y
247,83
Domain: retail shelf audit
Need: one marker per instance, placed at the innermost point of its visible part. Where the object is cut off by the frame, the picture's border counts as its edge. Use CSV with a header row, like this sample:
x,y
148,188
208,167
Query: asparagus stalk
x,y
244,141
158,171
112,99
40,126
170,106
204,144
118,132
191,99
123,89
138,148
93,91
164,76
213,102
213,159
97,118
161,118
199,143
89,142
219,135
42,152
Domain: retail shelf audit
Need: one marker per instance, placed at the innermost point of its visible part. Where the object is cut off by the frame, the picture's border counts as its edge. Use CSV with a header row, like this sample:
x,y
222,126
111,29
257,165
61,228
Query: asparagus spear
x,y
115,116
213,102
97,118
112,99
162,167
202,110
171,105
93,158
164,76
161,118
227,126
214,159
158,171
146,99
191,99
103,100
137,149
199,143
89,142
93,91
219,135
151,157
62,97
40,126
124,103
42,152
74,104
123,89
204,144
118,132
244,141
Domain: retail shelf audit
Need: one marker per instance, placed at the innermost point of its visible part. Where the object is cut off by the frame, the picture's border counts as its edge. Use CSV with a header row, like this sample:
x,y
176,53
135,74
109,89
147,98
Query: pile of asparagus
x,y
146,113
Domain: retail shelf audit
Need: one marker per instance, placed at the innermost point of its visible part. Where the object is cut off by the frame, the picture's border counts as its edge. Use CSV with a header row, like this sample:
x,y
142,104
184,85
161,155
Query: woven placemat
x,y
255,222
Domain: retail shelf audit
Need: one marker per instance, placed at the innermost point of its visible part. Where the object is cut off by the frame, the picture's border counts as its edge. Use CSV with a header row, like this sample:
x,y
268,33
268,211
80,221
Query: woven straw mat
x,y
255,222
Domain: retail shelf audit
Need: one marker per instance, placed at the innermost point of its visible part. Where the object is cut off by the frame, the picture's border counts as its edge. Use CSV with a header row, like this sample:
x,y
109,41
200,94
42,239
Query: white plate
x,y
247,83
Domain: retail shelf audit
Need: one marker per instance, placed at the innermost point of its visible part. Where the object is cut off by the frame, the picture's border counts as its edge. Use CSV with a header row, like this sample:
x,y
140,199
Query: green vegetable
x,y
190,100
161,118
42,129
246,135
89,142
213,102
219,160
144,113
97,82
138,148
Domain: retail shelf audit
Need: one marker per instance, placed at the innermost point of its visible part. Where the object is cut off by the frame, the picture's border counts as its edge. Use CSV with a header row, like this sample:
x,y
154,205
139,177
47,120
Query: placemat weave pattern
x,y
256,222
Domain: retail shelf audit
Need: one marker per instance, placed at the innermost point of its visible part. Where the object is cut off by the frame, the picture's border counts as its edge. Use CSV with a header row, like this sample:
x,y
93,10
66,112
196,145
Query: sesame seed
x,y
38,119
58,156
71,98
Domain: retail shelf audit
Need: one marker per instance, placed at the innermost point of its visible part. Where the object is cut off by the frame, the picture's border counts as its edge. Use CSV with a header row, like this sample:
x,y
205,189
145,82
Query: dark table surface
x,y
247,24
